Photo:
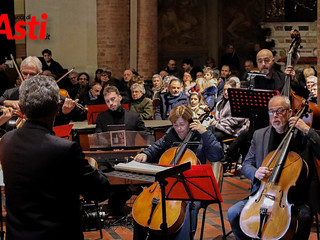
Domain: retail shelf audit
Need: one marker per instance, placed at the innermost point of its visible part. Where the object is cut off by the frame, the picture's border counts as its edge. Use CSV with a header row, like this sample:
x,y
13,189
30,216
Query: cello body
x,y
268,214
147,208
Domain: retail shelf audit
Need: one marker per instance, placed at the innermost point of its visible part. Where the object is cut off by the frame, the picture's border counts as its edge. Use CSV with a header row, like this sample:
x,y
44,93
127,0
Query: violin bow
x,y
65,74
16,67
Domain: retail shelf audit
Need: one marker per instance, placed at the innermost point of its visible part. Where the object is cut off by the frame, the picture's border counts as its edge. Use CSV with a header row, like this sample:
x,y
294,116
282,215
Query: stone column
x,y
147,38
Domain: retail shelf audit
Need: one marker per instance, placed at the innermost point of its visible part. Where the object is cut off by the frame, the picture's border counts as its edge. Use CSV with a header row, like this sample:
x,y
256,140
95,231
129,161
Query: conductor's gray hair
x,y
39,96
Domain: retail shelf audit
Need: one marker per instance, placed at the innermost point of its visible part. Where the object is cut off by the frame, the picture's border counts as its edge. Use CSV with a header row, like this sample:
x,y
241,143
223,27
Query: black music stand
x,y
161,178
252,104
197,184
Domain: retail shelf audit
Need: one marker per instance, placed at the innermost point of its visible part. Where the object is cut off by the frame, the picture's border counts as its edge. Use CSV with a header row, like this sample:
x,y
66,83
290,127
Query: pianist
x,y
117,114
208,149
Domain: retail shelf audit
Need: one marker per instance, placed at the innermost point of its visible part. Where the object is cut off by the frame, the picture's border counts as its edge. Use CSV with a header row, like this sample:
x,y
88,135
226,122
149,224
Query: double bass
x,y
268,213
312,118
147,208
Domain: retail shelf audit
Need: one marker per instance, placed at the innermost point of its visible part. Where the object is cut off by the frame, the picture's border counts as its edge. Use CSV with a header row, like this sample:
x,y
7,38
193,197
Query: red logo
x,y
21,30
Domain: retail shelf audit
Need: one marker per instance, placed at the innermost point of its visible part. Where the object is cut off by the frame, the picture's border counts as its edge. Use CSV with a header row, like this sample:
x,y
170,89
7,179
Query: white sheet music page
x,y
139,167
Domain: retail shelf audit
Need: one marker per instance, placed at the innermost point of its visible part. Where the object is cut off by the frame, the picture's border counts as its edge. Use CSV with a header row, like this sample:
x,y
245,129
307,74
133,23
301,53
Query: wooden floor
x,y
233,189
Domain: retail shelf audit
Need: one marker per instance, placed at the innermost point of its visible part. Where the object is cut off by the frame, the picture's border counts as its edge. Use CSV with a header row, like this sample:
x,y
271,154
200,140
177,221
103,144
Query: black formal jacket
x,y
44,176
132,120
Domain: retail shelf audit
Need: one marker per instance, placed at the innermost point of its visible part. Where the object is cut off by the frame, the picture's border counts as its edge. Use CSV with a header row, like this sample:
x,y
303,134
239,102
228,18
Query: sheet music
x,y
138,167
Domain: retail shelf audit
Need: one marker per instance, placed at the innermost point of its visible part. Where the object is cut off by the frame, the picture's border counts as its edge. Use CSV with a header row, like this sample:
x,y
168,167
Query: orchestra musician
x,y
44,175
305,142
31,66
117,114
208,149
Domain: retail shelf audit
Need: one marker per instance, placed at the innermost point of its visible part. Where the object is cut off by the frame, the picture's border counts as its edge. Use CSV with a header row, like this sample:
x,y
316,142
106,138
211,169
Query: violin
x,y
268,214
147,208
64,93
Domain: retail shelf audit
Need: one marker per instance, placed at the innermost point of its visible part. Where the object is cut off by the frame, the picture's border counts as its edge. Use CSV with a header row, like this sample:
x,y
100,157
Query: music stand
x,y
93,111
196,184
63,131
252,104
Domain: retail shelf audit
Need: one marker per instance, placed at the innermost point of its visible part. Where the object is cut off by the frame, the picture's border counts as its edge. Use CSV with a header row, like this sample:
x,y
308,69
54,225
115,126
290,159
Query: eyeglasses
x,y
278,111
82,78
265,60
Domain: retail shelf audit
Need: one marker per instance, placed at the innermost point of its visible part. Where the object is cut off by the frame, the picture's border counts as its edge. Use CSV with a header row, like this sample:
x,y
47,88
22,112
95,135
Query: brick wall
x,y
113,36
113,18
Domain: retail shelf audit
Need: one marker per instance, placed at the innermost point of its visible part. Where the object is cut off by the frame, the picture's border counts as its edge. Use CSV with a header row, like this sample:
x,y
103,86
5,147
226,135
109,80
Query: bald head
x,y
265,62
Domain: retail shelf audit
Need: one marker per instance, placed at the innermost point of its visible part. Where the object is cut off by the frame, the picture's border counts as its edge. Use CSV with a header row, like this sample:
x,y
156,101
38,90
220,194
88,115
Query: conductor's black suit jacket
x,y
44,176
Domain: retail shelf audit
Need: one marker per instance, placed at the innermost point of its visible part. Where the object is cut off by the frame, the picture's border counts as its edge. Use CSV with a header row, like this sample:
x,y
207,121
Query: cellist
x,y
305,142
209,148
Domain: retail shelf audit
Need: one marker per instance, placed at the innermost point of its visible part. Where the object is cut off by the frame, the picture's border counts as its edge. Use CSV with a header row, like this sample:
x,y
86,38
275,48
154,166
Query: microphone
x,y
253,74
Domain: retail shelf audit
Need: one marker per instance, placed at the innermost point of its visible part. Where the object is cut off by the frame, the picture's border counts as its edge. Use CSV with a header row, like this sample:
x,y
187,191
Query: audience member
x,y
124,87
188,83
83,79
209,75
187,65
248,67
140,103
73,86
174,97
49,64
211,63
172,69
224,125
230,58
156,89
163,74
196,104
97,76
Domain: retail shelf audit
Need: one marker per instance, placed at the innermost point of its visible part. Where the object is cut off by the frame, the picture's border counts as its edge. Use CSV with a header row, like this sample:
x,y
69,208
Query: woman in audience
x,y
156,86
224,125
188,82
208,92
97,76
140,103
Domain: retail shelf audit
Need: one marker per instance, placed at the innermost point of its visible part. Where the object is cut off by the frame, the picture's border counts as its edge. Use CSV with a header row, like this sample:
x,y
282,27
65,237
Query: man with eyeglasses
x,y
274,79
31,66
305,142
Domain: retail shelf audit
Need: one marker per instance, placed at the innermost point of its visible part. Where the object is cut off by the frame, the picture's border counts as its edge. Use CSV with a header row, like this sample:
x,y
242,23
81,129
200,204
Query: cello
x,y
147,208
268,214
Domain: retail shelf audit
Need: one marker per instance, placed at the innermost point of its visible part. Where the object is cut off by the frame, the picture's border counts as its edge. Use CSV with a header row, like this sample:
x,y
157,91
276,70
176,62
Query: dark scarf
x,y
171,100
138,101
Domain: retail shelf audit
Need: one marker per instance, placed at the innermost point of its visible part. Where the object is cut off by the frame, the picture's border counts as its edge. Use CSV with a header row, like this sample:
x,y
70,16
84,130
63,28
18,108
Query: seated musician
x,y
208,149
117,114
29,67
305,142
44,175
